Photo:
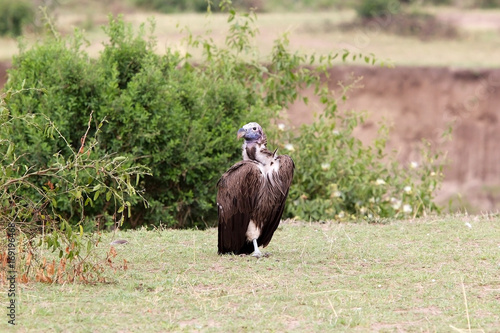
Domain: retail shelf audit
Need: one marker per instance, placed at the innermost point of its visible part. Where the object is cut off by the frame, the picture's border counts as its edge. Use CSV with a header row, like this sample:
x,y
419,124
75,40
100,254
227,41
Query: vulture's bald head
x,y
252,133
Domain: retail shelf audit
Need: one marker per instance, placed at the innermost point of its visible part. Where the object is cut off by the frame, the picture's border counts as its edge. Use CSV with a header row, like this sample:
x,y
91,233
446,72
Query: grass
x,y
309,32
431,274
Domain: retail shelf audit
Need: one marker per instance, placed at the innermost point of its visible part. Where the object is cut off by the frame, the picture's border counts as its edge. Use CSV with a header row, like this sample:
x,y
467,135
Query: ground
x,y
435,274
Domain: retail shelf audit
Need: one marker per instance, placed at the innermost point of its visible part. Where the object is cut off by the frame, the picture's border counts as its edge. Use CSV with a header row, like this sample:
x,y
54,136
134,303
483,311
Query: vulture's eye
x,y
255,128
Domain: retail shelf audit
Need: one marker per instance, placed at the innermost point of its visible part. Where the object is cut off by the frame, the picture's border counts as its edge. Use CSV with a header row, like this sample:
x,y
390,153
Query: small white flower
x,y
396,204
407,189
289,147
414,165
468,225
380,182
341,214
371,200
362,210
325,166
433,174
337,194
407,208
281,126
335,132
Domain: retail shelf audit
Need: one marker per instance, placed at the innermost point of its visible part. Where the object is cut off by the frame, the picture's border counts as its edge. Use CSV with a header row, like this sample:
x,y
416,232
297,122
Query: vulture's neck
x,y
258,152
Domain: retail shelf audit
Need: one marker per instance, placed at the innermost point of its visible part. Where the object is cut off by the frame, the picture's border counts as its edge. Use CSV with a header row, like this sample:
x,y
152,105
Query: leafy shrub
x,y
180,121
342,179
198,6
174,6
165,6
487,3
14,15
377,8
177,119
34,199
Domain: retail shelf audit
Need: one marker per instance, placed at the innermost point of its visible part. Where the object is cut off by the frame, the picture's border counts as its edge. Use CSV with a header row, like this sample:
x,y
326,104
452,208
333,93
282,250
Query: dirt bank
x,y
421,103
3,72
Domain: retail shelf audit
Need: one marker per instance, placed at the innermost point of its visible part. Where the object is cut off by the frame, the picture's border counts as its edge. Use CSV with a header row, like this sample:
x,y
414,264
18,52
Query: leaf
x,y
129,207
51,268
10,150
119,159
346,54
112,252
7,96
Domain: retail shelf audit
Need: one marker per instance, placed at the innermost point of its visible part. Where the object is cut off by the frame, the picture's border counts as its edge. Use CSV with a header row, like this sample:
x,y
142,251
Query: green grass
x,y
432,274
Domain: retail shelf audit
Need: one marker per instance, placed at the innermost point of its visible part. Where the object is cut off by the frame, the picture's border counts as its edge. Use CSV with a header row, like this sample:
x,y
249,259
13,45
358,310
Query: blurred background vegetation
x,y
16,15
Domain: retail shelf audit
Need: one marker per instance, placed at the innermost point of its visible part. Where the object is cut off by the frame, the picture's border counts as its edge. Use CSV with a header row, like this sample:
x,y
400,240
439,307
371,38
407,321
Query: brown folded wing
x,y
238,193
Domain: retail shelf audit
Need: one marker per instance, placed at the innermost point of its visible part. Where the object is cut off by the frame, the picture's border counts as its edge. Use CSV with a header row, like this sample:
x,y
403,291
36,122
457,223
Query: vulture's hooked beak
x,y
241,133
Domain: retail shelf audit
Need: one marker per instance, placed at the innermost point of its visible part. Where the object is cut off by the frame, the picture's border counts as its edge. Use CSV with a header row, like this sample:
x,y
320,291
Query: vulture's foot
x,y
257,254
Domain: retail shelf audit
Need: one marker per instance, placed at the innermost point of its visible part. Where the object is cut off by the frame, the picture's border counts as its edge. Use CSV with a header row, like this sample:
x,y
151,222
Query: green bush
x,y
377,8
180,121
487,3
198,6
14,15
342,179
177,119
34,198
174,6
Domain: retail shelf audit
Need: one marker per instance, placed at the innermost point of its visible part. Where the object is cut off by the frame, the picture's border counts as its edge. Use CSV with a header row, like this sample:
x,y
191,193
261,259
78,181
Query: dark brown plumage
x,y
251,195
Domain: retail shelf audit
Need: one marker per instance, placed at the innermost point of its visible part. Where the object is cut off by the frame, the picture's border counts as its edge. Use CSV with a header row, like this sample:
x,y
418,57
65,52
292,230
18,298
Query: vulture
x,y
251,195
